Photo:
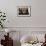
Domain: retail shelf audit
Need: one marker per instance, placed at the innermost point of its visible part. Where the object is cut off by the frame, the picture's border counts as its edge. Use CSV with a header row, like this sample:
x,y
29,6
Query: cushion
x,y
26,39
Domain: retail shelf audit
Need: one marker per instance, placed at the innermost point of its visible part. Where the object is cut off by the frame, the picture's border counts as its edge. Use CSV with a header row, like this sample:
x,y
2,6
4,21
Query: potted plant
x,y
2,19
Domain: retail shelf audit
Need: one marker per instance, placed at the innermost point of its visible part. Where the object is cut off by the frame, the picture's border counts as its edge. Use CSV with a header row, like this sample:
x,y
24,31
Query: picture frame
x,y
24,11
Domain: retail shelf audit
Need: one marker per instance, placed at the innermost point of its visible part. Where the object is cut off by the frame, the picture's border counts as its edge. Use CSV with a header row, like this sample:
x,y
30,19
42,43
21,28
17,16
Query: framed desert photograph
x,y
24,11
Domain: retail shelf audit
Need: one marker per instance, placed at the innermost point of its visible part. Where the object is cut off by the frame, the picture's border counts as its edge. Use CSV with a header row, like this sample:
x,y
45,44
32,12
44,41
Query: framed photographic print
x,y
24,11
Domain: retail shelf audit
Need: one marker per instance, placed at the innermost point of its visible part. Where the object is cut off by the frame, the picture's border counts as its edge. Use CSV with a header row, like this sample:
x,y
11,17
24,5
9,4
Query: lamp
x,y
7,31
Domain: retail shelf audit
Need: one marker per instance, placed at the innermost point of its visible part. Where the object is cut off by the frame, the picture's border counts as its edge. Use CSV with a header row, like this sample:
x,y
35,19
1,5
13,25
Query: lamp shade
x,y
7,30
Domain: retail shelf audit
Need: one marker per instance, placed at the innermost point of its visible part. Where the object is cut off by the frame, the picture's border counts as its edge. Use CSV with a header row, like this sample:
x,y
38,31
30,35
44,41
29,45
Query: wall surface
x,y
36,22
38,13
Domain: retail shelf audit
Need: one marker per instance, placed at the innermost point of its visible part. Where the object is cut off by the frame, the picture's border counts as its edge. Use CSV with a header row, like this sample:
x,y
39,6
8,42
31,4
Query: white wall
x,y
37,19
38,13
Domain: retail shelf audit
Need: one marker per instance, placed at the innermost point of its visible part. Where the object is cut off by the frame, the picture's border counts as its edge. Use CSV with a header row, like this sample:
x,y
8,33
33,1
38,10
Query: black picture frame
x,y
24,11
